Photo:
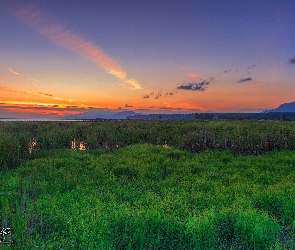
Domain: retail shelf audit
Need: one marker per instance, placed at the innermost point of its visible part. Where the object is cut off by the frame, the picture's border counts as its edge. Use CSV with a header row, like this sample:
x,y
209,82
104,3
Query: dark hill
x,y
285,107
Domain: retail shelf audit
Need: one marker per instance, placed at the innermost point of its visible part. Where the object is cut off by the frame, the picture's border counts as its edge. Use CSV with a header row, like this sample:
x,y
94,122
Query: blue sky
x,y
73,57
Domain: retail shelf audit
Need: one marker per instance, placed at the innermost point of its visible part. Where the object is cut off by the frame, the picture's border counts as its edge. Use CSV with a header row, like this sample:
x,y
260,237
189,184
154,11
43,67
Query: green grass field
x,y
145,196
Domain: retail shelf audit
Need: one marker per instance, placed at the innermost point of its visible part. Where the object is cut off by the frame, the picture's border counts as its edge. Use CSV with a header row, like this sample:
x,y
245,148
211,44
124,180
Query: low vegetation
x,y
144,196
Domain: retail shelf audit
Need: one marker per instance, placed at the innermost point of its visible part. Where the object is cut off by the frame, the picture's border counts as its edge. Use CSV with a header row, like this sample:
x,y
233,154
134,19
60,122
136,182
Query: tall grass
x,y
249,137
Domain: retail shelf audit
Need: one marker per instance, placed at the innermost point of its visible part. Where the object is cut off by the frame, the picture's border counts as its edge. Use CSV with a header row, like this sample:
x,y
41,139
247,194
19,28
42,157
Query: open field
x,y
149,185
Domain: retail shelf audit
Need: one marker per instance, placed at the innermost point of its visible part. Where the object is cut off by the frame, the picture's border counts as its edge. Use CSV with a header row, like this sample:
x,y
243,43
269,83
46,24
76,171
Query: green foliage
x,y
153,194
150,197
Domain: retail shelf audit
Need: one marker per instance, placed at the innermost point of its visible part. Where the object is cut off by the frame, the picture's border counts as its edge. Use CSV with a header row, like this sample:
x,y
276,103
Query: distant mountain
x,y
98,115
285,107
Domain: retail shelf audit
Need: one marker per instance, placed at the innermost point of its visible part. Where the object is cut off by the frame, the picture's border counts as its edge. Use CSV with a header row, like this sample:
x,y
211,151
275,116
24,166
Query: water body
x,y
33,120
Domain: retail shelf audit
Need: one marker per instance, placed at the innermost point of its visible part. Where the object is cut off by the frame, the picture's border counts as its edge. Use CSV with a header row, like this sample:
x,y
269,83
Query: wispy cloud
x,y
159,94
215,79
245,79
194,86
133,83
149,95
167,108
192,75
36,80
66,39
292,60
15,73
42,95
251,67
99,82
40,105
12,71
247,76
128,106
32,104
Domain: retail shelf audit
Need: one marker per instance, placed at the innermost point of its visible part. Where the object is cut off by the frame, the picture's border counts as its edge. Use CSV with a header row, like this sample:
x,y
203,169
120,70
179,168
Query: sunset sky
x,y
59,58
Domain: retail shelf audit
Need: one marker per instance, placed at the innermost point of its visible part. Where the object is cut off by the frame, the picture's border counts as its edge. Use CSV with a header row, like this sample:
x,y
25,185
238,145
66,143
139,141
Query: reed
x,y
240,137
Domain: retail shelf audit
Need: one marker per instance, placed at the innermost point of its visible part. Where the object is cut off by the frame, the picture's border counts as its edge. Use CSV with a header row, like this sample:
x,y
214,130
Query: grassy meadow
x,y
148,185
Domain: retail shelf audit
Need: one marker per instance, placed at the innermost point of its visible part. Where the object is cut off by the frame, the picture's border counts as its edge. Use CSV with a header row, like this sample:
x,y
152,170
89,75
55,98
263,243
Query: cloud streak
x,y
12,71
246,77
42,94
159,94
32,104
251,67
36,80
192,75
194,86
66,39
99,82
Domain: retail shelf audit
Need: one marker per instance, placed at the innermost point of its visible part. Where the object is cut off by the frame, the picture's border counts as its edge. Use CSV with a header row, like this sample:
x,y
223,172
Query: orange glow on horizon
x,y
187,106
37,104
179,106
46,96
43,112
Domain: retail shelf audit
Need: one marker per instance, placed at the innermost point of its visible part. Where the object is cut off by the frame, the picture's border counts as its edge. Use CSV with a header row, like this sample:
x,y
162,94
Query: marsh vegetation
x,y
148,185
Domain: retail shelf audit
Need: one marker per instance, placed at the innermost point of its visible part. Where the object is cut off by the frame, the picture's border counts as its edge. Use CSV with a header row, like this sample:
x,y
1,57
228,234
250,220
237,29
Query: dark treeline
x,y
22,140
267,116
273,116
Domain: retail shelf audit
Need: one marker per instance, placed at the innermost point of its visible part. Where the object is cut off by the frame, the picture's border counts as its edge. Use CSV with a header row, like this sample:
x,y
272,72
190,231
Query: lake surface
x,y
34,120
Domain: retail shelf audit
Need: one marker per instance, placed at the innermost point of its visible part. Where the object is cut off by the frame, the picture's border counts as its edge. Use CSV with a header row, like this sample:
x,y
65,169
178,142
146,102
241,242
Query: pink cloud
x,y
192,75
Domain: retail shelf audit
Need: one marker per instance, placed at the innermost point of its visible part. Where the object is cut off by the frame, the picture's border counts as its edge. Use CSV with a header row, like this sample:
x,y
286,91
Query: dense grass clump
x,y
151,197
21,140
